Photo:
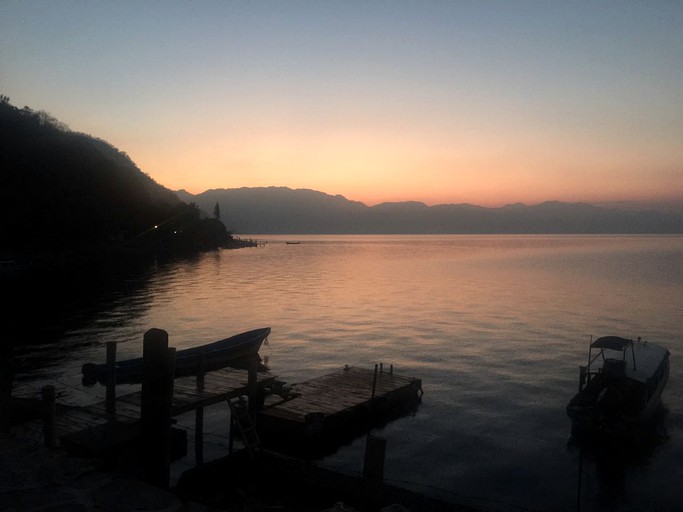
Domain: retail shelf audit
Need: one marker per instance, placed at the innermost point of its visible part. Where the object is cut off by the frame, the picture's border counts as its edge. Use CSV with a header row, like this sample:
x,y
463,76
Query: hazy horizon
x,y
442,102
671,206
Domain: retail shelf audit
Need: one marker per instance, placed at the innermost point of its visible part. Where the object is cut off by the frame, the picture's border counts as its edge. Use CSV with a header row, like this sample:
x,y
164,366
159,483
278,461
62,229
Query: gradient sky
x,y
487,102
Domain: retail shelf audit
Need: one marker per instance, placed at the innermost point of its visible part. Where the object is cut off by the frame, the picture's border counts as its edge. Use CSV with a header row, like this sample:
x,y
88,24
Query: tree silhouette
x,y
216,211
93,199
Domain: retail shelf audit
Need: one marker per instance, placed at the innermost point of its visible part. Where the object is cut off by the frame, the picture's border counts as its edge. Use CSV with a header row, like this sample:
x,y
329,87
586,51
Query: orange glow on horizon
x,y
460,103
372,171
374,163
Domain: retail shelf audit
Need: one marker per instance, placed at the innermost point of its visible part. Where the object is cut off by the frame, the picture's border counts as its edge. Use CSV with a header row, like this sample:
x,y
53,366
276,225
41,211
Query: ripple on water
x,y
494,326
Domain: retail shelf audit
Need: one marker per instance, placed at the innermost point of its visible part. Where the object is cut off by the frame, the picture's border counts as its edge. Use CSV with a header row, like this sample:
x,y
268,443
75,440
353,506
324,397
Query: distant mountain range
x,y
280,210
73,195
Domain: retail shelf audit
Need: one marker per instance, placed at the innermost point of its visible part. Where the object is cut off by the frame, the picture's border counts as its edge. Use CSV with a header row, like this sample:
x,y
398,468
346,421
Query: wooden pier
x,y
96,431
308,419
325,412
134,433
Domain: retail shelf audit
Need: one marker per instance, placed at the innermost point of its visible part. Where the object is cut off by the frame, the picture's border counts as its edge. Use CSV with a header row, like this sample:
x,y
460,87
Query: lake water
x,y
495,326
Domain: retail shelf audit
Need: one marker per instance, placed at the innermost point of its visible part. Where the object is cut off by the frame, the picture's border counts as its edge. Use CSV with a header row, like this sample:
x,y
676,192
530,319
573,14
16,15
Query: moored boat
x,y
232,351
620,388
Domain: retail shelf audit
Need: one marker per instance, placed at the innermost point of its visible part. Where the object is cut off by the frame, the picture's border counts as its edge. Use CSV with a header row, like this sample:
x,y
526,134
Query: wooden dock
x,y
134,432
97,431
308,419
328,411
313,419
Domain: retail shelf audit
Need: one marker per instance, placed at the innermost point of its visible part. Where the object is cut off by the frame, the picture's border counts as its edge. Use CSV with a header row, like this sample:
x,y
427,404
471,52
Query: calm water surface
x,y
495,326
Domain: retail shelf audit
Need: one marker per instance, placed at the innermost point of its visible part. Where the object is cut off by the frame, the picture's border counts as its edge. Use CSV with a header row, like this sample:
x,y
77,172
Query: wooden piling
x,y
201,370
199,413
252,385
155,414
199,435
49,416
6,378
231,434
110,397
374,383
373,473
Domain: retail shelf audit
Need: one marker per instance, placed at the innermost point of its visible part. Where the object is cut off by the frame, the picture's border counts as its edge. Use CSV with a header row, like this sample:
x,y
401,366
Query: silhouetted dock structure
x,y
95,430
136,430
308,419
313,418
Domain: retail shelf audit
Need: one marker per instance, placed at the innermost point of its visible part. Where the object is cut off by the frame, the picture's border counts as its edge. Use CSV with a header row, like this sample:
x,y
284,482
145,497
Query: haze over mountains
x,y
68,191
281,210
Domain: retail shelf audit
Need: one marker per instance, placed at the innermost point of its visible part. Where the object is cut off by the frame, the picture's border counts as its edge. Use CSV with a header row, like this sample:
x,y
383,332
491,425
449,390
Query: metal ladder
x,y
240,417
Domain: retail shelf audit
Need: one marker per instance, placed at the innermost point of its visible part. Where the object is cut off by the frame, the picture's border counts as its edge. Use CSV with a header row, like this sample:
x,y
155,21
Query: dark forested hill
x,y
283,210
65,192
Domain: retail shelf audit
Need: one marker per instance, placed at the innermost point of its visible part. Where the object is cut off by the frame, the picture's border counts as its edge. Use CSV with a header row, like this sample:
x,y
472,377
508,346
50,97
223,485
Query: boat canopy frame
x,y
614,343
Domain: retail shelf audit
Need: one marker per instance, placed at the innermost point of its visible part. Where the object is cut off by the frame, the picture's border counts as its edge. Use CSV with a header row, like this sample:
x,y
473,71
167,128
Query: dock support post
x,y
201,370
231,435
252,384
110,397
199,414
374,381
49,416
373,473
158,368
6,378
199,436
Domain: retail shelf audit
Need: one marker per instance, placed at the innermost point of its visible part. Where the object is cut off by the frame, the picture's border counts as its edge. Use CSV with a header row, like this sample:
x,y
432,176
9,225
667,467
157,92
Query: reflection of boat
x,y
620,388
227,352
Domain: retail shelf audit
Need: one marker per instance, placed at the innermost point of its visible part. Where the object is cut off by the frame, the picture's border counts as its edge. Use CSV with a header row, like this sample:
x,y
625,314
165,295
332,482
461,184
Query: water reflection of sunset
x,y
474,317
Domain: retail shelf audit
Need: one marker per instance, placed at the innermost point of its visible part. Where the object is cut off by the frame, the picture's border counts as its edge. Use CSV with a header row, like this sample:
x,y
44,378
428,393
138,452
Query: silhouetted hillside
x,y
67,193
283,210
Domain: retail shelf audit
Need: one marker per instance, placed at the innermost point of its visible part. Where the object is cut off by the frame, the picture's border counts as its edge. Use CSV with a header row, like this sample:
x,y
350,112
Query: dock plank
x,y
77,424
332,406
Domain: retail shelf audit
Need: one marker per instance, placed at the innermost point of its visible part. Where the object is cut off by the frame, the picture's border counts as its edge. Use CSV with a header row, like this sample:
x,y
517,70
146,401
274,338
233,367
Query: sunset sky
x,y
486,102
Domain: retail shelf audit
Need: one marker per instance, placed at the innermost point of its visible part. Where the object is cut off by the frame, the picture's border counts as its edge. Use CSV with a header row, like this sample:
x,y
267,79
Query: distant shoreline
x,y
280,210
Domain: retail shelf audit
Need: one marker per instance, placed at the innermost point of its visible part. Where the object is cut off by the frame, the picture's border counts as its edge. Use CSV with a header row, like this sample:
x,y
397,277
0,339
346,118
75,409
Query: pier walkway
x,y
327,411
311,419
136,435
96,430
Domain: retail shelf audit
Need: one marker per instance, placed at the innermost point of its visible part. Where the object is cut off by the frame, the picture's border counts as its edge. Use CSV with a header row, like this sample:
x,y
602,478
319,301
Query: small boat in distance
x,y
292,243
620,388
232,351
